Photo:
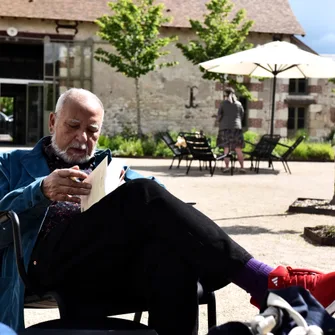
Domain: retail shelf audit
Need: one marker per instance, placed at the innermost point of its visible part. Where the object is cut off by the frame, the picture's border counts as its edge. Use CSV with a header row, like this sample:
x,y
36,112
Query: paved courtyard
x,y
251,208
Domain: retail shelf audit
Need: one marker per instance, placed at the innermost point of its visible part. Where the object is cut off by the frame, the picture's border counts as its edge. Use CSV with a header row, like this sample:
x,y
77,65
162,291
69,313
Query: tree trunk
x,y
138,107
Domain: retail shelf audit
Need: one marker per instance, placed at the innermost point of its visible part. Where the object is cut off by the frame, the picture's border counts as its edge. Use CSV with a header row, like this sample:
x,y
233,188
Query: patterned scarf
x,y
60,212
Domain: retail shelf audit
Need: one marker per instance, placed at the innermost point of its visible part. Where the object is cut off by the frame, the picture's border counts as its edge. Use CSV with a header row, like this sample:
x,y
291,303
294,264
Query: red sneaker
x,y
321,285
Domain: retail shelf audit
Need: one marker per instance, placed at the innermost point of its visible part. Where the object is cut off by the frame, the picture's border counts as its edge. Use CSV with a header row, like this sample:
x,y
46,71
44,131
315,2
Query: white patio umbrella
x,y
273,60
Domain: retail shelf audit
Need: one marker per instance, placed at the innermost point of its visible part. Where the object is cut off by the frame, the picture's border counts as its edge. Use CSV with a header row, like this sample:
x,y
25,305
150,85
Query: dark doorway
x,y
14,131
22,63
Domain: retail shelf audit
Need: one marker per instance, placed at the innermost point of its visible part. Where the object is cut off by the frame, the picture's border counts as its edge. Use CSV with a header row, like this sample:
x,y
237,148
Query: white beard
x,y
67,158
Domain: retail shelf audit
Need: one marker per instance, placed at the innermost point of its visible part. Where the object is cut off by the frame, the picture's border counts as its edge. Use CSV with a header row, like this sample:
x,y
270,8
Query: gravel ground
x,y
251,208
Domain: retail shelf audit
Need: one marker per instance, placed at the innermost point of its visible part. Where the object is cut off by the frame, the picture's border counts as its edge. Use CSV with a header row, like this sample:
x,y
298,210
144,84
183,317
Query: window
x,y
296,119
298,86
277,37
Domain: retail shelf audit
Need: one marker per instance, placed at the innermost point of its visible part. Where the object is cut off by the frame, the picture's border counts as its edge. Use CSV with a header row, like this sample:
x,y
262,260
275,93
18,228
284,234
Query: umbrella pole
x,y
273,103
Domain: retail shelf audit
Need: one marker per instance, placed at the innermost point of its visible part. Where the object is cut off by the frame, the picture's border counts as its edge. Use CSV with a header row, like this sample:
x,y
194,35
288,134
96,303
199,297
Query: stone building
x,y
48,46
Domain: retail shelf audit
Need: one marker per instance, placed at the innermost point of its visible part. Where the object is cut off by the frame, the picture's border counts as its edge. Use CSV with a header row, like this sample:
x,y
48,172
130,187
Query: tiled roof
x,y
270,16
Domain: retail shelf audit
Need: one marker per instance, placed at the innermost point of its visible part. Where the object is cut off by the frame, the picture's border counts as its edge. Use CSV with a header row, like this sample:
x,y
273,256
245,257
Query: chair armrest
x,y
12,216
283,145
250,143
276,156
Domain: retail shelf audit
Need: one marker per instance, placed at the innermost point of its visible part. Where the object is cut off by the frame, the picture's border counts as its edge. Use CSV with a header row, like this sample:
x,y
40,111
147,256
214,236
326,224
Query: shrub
x,y
103,141
162,150
300,152
320,151
149,146
152,145
308,150
115,142
251,136
131,147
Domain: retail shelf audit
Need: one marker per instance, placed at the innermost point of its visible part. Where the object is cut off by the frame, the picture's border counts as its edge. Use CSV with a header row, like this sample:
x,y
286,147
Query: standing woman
x,y
230,136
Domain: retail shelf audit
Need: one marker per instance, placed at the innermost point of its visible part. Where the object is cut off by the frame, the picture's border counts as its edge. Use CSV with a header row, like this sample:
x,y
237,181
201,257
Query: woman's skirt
x,y
230,138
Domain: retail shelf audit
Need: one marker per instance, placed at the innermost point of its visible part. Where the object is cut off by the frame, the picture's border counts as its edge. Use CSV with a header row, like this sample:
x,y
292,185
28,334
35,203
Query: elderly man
x,y
138,241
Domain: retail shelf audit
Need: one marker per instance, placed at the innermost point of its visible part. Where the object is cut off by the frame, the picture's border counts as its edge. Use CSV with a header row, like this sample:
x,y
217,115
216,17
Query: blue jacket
x,y
21,175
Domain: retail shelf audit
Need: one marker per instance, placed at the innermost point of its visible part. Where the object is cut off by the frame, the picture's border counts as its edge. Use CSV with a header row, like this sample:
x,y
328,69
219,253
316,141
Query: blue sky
x,y
317,17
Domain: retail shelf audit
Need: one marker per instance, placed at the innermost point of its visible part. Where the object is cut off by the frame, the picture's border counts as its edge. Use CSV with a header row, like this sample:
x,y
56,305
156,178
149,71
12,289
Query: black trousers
x,y
139,243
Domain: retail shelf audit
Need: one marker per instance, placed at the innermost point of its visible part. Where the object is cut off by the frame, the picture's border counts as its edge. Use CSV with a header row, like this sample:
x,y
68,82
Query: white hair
x,y
73,94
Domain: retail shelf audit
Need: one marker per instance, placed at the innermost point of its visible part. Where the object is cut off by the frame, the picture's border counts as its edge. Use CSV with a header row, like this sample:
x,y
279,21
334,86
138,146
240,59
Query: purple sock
x,y
253,278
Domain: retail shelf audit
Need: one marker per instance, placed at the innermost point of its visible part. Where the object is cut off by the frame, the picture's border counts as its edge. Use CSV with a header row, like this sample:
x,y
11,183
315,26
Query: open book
x,y
104,179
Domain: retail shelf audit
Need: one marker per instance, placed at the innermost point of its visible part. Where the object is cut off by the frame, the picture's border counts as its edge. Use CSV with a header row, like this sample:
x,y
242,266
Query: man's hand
x,y
60,185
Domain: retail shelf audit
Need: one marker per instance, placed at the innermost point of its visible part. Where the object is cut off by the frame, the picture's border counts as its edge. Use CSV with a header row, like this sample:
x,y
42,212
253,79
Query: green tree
x,y
133,31
7,105
219,35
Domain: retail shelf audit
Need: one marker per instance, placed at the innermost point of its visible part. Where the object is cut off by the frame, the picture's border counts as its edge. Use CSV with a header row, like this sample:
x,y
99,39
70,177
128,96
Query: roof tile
x,y
270,16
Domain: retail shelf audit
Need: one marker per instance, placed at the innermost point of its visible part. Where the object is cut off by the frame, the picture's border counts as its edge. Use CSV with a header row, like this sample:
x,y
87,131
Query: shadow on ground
x,y
195,172
253,230
254,216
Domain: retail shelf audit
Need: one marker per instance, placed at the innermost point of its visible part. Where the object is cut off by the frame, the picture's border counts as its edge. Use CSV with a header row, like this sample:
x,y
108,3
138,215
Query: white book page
x,y
114,170
104,179
97,179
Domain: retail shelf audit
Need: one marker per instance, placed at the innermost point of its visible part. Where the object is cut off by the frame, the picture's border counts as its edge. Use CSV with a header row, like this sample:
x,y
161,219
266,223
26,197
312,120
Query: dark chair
x,y
262,150
35,297
284,157
107,326
200,149
179,153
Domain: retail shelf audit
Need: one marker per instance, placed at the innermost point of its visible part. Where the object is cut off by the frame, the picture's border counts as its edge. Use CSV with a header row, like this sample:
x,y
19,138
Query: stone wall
x,y
165,93
321,115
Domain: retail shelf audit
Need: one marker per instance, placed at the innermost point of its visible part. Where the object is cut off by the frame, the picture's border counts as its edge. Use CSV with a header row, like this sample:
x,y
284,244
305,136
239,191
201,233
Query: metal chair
x,y
200,149
178,153
36,297
262,150
284,157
